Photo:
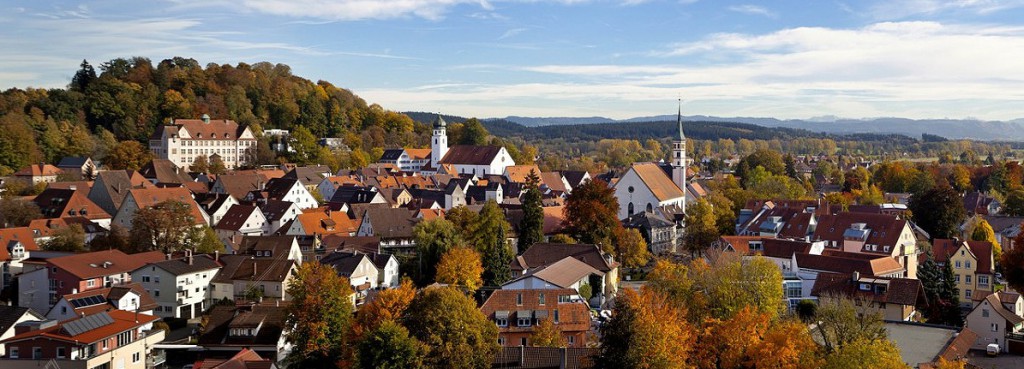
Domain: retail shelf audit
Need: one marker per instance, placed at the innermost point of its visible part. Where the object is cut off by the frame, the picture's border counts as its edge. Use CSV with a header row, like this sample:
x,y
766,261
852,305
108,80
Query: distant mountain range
x,y
1012,130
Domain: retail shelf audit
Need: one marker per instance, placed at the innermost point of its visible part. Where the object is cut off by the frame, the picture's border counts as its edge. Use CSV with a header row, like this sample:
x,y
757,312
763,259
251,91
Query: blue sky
x,y
619,59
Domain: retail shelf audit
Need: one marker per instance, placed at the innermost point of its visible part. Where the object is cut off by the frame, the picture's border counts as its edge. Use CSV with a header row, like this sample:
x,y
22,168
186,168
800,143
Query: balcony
x,y
156,358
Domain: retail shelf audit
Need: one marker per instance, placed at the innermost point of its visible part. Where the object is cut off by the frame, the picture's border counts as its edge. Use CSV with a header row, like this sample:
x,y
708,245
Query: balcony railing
x,y
157,357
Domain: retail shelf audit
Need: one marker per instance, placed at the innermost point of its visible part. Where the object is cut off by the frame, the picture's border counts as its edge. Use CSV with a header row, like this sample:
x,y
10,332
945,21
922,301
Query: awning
x,y
501,314
540,314
524,314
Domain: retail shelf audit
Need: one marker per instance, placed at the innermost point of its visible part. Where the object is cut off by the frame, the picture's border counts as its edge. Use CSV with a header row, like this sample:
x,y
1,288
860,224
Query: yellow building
x,y
973,266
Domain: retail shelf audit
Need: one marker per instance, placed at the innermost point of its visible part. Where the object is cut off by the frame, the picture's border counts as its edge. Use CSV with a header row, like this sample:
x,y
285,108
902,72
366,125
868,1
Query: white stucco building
x,y
186,139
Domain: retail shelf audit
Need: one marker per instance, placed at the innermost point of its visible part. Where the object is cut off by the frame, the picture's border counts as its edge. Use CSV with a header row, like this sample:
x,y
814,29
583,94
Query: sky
x,y
567,58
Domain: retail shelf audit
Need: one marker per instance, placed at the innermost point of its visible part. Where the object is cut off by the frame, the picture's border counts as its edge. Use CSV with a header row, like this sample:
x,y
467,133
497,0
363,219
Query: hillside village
x,y
170,267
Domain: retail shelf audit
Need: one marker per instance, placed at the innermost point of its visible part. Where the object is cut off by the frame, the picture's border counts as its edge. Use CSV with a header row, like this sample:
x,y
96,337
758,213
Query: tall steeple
x,y
679,156
439,142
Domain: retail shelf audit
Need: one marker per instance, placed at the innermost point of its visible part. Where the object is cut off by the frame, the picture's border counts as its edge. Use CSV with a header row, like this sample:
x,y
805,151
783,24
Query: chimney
x,y
206,119
73,187
169,255
216,255
188,255
856,276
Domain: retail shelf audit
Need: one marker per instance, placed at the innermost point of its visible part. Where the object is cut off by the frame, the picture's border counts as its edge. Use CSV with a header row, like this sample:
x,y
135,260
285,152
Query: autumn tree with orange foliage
x,y
751,339
318,317
648,331
547,334
461,267
950,364
592,215
387,305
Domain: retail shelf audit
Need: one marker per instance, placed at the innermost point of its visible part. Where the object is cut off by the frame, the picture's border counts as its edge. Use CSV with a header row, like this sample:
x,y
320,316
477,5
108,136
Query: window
x,y
865,287
572,340
90,283
984,313
540,298
967,264
63,309
145,279
556,316
967,293
967,278
501,322
995,327
957,278
522,341
501,341
958,264
519,299
37,353
630,209
982,281
524,321
136,357
13,354
61,353
156,293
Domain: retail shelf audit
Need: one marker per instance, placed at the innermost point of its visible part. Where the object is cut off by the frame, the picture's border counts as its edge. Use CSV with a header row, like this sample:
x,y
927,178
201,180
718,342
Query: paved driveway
x,y
999,362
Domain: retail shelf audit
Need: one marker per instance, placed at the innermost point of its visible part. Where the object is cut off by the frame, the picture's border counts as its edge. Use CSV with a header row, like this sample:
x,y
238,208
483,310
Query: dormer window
x,y
865,287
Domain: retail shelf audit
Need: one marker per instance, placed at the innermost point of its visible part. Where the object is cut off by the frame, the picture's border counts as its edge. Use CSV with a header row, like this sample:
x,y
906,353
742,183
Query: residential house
x,y
407,159
40,289
542,254
165,173
362,274
239,184
644,187
330,184
109,339
278,214
38,173
662,235
576,178
215,205
518,312
995,320
128,297
519,173
260,328
977,202
182,141
179,286
78,167
566,273
355,195
392,226
11,316
892,298
110,188
973,266
310,176
252,278
388,275
238,222
284,189
15,246
323,223
872,234
57,203
245,359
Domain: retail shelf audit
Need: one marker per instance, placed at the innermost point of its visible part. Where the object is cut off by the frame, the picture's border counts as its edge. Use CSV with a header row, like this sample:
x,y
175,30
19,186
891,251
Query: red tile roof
x,y
122,321
572,316
658,182
104,263
471,155
38,170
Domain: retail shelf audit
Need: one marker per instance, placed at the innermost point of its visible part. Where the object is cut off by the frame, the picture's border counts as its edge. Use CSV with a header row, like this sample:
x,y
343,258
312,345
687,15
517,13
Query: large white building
x,y
184,140
648,186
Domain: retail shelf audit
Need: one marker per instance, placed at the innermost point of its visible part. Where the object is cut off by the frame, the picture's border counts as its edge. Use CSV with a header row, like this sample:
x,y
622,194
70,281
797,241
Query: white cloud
x,y
912,69
753,10
900,9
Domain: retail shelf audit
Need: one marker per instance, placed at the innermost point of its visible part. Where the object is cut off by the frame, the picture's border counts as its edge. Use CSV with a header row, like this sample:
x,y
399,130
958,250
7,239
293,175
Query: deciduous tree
x,y
939,211
1012,263
389,304
875,354
165,226
461,267
547,334
17,212
701,227
631,250
1014,204
646,331
455,332
70,238
433,239
389,346
318,316
130,155
591,214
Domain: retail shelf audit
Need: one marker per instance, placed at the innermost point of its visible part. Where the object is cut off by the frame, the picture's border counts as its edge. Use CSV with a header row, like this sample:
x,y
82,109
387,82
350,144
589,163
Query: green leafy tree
x,y
1012,263
455,332
531,227
204,240
115,239
473,133
217,165
591,214
80,82
389,346
433,239
876,354
1014,204
701,227
840,323
982,231
646,331
547,334
304,143
200,165
586,291
941,291
631,250
939,211
319,339
488,227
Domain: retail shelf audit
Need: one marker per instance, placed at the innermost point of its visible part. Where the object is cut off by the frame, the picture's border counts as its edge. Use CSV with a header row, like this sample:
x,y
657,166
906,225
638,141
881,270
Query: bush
x,y
806,309
586,292
162,326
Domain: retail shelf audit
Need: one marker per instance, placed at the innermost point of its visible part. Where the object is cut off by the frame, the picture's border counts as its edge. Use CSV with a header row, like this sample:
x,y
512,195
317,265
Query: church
x,y
645,187
463,159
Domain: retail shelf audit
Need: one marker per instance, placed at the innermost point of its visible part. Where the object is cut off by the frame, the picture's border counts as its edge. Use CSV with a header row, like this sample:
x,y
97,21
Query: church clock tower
x,y
439,142
679,155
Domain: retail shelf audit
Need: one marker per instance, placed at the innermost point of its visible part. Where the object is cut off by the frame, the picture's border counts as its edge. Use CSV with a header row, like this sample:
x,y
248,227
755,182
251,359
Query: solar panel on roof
x,y
88,323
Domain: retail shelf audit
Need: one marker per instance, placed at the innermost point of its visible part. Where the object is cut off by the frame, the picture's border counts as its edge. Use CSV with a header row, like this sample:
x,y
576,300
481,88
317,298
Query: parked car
x,y
992,349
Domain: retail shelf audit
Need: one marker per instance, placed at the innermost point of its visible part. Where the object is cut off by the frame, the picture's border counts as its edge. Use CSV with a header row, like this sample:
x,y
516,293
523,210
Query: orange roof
x,y
324,223
38,170
553,219
122,321
147,197
216,129
554,181
418,154
345,180
740,244
656,180
104,263
429,214
518,173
